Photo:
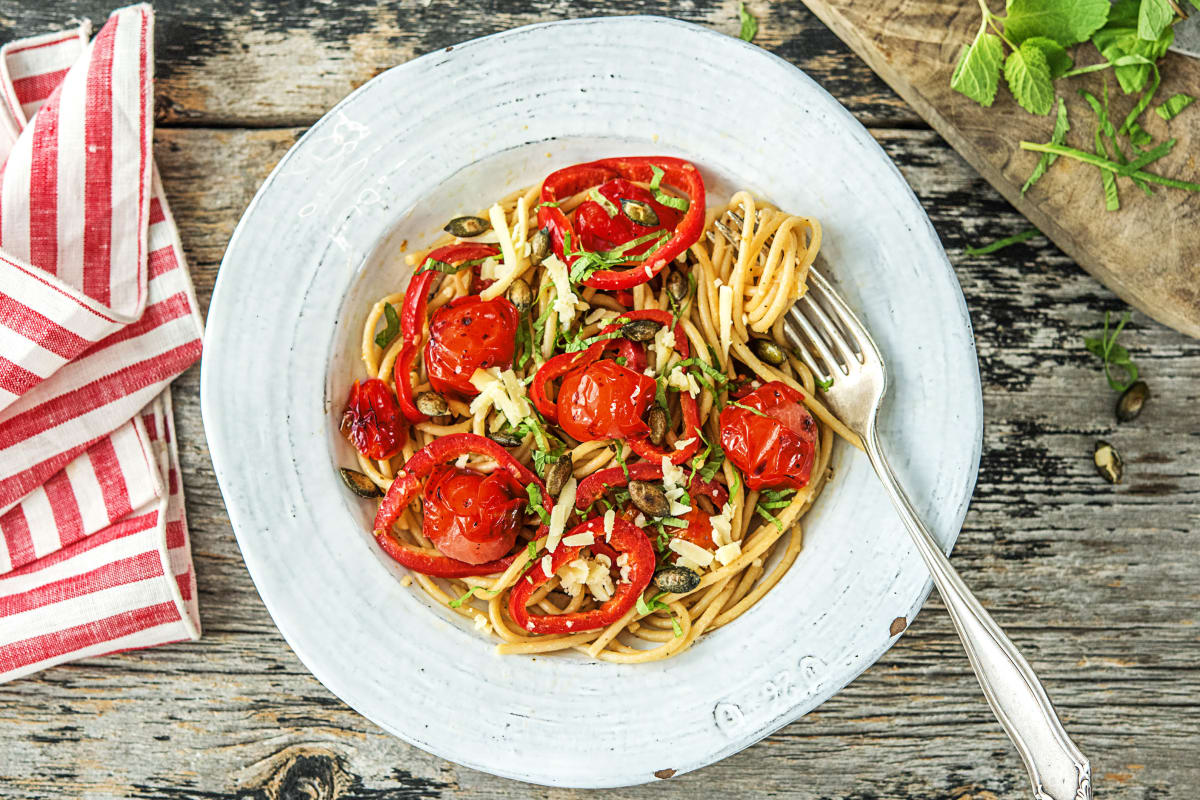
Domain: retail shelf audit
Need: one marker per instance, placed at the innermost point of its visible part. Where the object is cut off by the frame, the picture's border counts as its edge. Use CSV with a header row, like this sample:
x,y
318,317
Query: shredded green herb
x,y
471,593
609,206
655,604
747,408
1000,244
385,336
749,24
535,502
620,448
1170,107
1111,354
451,269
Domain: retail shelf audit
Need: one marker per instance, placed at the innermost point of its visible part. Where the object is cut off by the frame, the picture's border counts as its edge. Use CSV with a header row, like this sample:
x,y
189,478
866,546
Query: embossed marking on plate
x,y
758,706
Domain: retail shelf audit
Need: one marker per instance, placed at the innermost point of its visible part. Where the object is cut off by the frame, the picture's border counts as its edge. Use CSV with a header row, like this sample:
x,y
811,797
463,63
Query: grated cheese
x,y
722,525
481,623
515,261
461,461
487,270
623,565
672,474
547,568
728,553
664,346
579,539
502,390
725,316
573,575
594,574
692,552
599,314
687,562
564,299
682,443
610,517
678,509
558,515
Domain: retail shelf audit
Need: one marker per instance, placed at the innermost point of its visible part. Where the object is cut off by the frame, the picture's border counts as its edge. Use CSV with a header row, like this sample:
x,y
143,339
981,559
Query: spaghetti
x,y
594,434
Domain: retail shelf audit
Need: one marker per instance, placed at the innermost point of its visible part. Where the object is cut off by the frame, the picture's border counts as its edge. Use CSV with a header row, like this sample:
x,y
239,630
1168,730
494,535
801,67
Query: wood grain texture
x,y
1098,585
1149,251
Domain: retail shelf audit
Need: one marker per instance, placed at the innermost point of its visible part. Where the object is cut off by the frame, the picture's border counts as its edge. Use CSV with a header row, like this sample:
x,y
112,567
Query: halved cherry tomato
x,y
774,447
372,420
470,516
468,334
598,231
407,486
698,530
604,401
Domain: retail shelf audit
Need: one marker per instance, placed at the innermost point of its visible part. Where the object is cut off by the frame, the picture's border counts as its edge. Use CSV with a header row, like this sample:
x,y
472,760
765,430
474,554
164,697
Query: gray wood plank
x,y
1097,584
285,62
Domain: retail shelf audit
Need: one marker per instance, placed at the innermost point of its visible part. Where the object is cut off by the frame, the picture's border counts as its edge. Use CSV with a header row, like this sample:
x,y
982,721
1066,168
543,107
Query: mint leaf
x,y
749,24
1028,77
978,71
1119,38
1061,126
1064,21
1153,17
1055,53
1168,108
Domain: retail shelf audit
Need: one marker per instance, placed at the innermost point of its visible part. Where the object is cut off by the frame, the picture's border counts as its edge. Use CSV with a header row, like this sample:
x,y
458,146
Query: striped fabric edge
x,y
98,488
130,585
102,389
28,67
74,205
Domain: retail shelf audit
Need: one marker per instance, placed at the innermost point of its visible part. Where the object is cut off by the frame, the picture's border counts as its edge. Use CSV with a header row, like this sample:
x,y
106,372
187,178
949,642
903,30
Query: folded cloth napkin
x,y
97,316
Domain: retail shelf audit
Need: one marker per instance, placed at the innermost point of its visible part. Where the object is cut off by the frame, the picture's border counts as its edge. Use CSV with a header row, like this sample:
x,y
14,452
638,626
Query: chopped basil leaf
x,y
535,502
609,206
385,336
676,627
748,408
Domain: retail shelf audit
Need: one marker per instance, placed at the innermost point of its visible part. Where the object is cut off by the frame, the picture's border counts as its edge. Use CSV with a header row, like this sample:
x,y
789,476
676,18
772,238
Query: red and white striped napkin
x,y
97,316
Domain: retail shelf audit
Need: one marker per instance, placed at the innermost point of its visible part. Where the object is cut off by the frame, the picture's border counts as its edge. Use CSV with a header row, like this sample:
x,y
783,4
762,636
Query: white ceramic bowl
x,y
444,134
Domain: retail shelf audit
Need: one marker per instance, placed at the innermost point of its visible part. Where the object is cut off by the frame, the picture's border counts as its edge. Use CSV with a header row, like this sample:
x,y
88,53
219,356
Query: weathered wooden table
x,y
1098,585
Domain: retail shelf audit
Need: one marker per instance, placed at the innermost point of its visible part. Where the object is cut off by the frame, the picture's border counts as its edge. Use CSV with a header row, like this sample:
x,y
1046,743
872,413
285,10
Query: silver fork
x,y
829,332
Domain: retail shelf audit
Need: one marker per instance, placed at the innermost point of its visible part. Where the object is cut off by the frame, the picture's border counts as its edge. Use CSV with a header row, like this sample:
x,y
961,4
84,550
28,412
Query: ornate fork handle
x,y
1056,767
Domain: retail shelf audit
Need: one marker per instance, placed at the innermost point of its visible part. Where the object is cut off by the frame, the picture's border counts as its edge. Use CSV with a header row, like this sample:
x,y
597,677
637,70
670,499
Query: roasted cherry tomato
x,y
470,516
604,400
698,530
372,420
598,231
775,447
468,334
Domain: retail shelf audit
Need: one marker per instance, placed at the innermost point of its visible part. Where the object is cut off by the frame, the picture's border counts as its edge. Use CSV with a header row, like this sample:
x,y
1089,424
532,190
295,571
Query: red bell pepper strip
x,y
412,318
408,483
626,538
570,181
593,486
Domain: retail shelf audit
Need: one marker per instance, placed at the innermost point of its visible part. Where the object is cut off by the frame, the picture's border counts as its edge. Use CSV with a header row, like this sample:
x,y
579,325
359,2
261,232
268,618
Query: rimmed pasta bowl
x,y
386,168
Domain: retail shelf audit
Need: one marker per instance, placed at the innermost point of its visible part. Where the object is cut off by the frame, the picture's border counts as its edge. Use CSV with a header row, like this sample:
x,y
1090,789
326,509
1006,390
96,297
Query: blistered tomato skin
x,y
372,420
774,448
598,231
468,334
604,400
469,516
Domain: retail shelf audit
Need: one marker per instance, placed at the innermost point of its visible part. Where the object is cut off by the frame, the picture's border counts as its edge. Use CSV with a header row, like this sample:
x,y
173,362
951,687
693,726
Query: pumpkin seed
x,y
520,295
539,246
1108,462
657,420
505,439
466,227
676,580
769,352
1132,401
639,212
557,475
677,286
431,404
359,483
649,499
640,330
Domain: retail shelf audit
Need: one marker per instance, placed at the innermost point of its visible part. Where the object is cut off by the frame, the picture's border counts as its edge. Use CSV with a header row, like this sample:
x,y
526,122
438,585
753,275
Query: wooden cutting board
x,y
1148,252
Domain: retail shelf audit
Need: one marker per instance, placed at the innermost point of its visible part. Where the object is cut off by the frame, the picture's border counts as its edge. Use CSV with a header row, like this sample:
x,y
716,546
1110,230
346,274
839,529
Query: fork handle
x,y
1056,767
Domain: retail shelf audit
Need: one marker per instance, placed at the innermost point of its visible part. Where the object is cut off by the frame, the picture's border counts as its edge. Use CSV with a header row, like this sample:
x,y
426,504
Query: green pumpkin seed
x,y
557,475
1108,462
505,439
539,246
640,330
769,352
466,227
431,404
359,483
520,295
676,580
677,286
649,499
657,420
639,212
1132,401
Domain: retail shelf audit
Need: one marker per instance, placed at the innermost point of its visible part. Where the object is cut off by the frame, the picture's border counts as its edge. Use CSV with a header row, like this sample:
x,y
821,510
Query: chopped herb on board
x,y
749,24
999,244
1042,39
1111,354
